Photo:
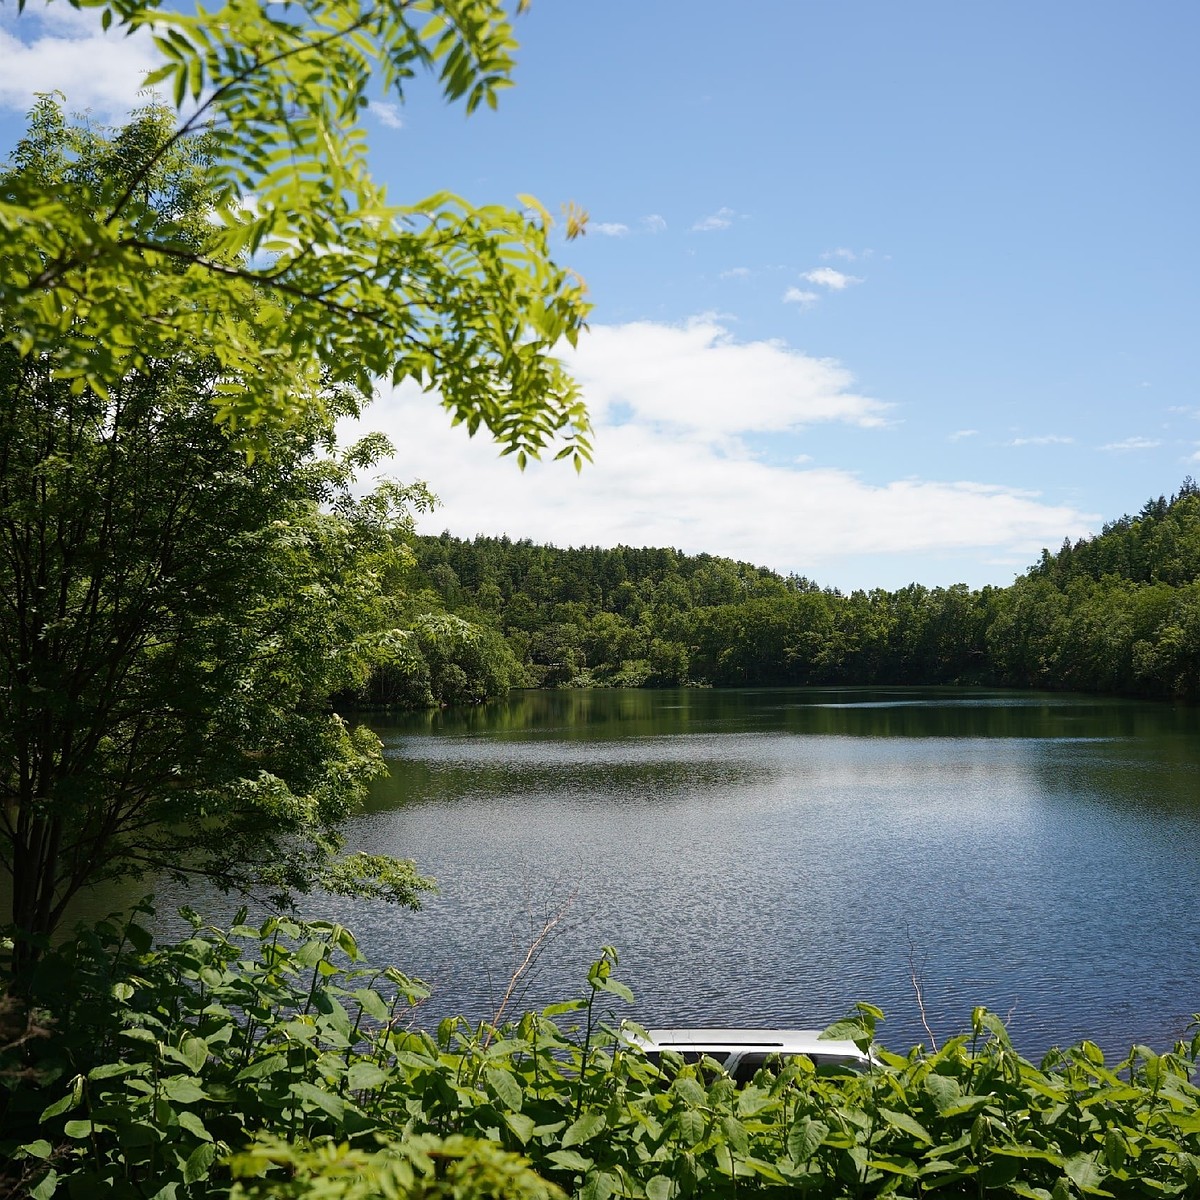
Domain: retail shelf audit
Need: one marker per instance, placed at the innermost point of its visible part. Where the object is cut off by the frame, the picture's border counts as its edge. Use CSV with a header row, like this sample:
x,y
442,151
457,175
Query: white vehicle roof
x,y
775,1041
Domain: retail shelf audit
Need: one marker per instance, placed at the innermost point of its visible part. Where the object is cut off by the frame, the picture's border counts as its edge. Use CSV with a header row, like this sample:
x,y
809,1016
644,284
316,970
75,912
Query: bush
x,y
270,1059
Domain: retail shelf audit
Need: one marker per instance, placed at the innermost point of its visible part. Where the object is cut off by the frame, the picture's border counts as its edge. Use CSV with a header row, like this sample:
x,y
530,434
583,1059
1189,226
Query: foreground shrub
x,y
270,1060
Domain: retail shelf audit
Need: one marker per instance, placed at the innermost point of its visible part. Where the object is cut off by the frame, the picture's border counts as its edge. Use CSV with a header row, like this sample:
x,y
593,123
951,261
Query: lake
x,y
768,857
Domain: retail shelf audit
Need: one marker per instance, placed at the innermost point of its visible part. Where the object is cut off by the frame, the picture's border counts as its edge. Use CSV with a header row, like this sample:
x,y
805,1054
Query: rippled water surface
x,y
769,857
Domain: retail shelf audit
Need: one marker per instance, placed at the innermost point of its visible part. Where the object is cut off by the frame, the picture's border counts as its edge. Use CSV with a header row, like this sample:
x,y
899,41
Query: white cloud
x,y
959,434
608,228
848,255
795,295
1046,439
673,407
62,49
736,273
697,379
654,223
387,113
836,281
1133,443
721,219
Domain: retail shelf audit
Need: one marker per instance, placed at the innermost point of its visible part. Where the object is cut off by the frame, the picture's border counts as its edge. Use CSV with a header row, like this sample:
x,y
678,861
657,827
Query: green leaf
x,y
599,1186
39,1149
113,1069
269,1065
141,939
584,1129
943,1091
69,1101
46,1186
804,1137
199,1162
363,1076
322,1099
659,1187
183,1089
689,1091
570,1160
194,1051
521,1125
372,1004
1085,1174
191,1122
893,1164
735,1133
505,1088
909,1125
690,1126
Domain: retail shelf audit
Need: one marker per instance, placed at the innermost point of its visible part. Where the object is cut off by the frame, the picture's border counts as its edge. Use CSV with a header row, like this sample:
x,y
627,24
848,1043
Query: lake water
x,y
768,857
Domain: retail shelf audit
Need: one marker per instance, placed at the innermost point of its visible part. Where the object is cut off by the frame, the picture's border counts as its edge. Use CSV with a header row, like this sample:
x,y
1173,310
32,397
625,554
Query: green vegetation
x,y
308,275
274,1057
1116,613
176,614
184,599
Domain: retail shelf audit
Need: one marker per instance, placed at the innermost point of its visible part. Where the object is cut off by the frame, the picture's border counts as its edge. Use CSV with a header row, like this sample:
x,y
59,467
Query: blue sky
x,y
883,292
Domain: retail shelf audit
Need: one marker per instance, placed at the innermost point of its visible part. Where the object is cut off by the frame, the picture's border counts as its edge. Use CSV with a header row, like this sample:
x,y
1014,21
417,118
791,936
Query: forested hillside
x,y
1119,612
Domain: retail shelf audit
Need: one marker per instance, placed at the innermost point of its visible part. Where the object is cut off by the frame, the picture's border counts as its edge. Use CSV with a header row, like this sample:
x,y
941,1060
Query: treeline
x,y
1119,612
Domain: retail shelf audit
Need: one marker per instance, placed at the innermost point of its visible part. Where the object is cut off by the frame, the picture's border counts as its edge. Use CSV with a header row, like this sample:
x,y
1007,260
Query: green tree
x,y
174,614
309,275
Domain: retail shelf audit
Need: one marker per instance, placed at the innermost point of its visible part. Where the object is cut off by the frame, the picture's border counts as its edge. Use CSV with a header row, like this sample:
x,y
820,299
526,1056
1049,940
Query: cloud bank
x,y
676,410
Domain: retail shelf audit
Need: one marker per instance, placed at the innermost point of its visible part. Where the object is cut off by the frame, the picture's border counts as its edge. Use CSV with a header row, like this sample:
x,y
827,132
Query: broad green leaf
x,y
372,1004
599,1185
521,1125
804,1137
570,1160
690,1126
363,1076
906,1123
69,1101
505,1088
46,1186
320,1098
183,1090
735,1134
584,1129
689,1091
943,1090
199,1162
191,1122
659,1187
1085,1173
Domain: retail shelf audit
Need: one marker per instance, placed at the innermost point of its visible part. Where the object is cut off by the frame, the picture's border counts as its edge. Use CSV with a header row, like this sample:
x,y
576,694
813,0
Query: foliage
x,y
1116,613
420,1167
274,1054
438,660
176,616
308,273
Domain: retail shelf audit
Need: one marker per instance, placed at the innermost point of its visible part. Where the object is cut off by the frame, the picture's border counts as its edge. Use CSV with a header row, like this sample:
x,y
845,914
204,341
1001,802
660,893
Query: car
x,y
741,1052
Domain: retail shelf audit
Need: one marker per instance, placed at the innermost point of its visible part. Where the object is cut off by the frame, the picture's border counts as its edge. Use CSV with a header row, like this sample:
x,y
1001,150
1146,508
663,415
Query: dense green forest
x,y
1119,612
